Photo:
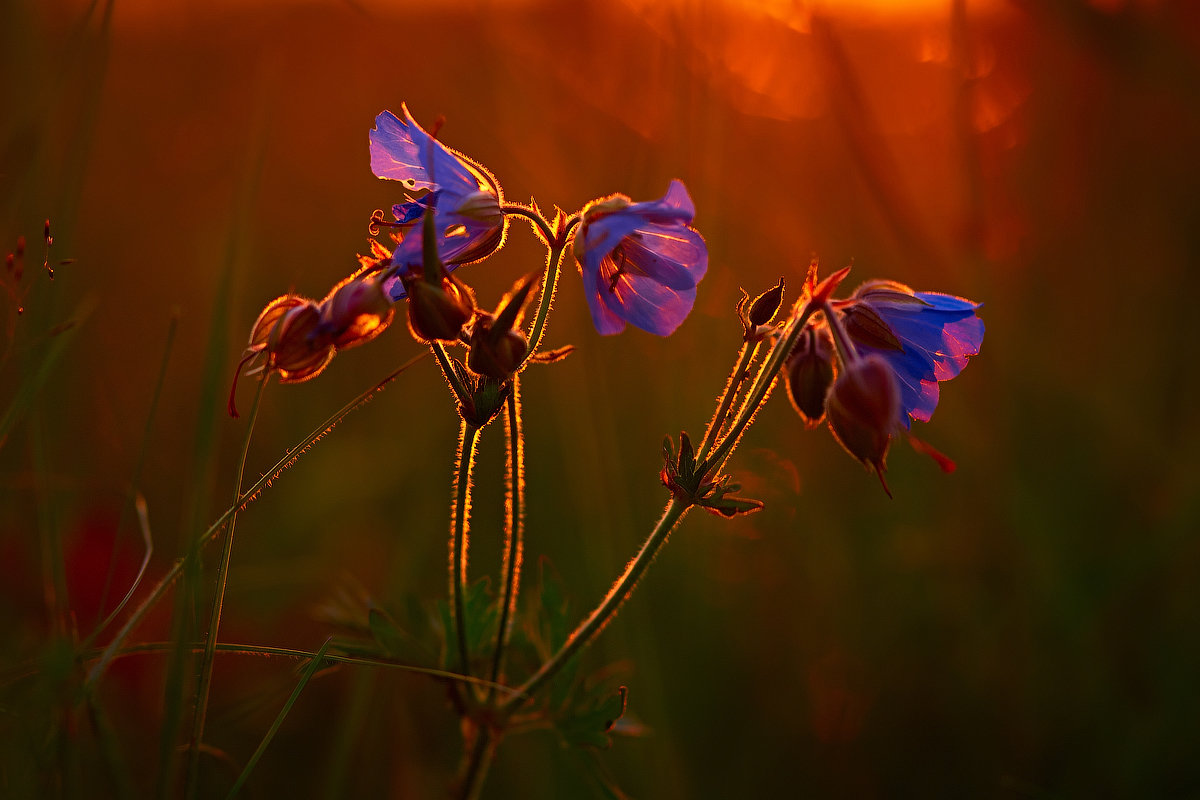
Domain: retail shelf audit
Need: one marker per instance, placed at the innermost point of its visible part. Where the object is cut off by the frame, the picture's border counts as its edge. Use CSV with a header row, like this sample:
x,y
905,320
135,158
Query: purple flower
x,y
924,337
465,196
640,261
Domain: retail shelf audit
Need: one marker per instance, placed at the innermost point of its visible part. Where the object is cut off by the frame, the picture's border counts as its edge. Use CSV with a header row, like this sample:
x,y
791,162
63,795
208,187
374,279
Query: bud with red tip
x,y
810,373
863,407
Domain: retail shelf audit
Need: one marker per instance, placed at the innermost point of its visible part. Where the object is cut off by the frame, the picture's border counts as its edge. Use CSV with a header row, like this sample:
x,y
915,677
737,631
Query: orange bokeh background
x,y
1026,625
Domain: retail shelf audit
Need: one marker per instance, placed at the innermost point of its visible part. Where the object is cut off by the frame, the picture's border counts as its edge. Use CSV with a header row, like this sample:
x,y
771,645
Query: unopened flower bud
x,y
495,354
356,311
810,373
756,314
863,407
298,349
498,347
438,310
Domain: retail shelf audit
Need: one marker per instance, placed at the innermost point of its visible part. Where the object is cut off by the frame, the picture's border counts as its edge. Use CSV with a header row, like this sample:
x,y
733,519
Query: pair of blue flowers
x,y
640,262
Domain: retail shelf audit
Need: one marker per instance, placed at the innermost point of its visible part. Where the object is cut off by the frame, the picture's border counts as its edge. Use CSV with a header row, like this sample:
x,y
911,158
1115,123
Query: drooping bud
x,y
810,373
297,348
863,408
496,354
356,311
439,305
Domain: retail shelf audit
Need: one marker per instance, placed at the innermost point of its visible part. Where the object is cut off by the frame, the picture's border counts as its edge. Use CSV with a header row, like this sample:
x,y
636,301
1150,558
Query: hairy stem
x,y
514,533
732,385
468,438
587,630
214,624
760,389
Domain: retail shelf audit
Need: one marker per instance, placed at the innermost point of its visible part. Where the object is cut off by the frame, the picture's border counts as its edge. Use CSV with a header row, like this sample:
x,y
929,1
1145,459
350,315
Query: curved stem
x,y
533,217
468,438
176,569
514,543
214,624
587,631
549,286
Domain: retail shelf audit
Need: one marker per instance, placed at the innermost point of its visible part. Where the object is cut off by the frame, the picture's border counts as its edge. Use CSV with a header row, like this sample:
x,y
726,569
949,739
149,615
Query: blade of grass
x,y
214,625
134,493
309,671
289,458
59,340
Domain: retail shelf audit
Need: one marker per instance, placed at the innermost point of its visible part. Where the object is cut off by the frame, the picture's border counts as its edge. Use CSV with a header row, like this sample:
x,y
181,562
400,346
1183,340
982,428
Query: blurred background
x,y
1025,627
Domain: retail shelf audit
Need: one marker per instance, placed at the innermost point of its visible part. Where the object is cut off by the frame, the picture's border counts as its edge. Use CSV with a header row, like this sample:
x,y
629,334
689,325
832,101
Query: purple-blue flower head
x,y
925,337
465,196
640,261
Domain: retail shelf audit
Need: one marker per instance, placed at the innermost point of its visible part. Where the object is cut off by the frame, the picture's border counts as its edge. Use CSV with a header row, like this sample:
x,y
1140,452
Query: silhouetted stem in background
x,y
176,569
595,622
468,438
479,760
214,624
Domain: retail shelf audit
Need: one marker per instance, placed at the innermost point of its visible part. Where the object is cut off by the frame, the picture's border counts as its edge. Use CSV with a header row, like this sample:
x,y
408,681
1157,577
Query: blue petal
x,y
607,323
396,154
647,304
673,255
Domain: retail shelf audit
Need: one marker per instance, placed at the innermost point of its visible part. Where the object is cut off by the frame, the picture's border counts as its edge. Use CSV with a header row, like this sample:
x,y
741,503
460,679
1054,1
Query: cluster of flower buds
x,y
296,337
870,364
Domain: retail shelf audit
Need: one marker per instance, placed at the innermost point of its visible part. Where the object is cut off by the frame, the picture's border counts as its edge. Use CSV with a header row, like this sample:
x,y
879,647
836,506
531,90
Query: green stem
x,y
759,390
514,539
479,760
468,438
549,285
740,370
587,631
461,393
533,217
214,624
176,569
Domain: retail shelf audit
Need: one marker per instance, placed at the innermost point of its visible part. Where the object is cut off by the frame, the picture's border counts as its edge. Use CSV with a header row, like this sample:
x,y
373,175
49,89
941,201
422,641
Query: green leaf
x,y
730,506
592,717
394,641
482,613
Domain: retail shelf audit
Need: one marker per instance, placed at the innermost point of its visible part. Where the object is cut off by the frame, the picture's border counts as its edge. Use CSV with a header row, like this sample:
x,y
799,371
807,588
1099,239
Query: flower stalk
x,y
468,439
514,539
587,630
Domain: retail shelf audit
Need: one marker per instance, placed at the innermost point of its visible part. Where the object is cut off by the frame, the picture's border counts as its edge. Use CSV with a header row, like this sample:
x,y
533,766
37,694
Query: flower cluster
x,y
870,364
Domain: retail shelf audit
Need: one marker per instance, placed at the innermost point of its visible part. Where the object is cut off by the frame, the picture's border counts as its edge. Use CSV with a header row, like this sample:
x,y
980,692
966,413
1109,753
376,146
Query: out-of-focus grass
x,y
1026,625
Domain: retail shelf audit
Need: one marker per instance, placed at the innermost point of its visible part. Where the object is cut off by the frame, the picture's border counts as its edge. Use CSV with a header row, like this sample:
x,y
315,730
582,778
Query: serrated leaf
x,y
482,614
589,722
728,507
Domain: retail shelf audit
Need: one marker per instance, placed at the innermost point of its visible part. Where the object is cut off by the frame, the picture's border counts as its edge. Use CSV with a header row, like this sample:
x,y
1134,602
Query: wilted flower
x,y
355,312
863,407
640,261
924,337
464,195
